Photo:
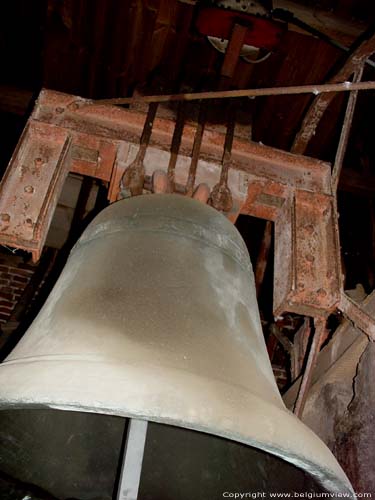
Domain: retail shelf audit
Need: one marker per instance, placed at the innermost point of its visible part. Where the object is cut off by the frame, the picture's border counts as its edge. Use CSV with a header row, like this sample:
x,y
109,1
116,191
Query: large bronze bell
x,y
155,317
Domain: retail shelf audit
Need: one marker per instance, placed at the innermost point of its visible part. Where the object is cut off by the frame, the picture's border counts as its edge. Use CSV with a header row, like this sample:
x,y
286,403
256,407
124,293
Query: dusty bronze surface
x,y
155,317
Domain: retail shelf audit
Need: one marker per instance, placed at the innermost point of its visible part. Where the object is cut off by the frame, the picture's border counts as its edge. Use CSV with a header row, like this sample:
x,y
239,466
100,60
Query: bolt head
x,y
4,218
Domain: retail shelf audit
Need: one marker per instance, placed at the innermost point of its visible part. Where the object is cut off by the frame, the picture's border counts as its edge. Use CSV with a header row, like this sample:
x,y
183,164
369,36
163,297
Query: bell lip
x,y
326,472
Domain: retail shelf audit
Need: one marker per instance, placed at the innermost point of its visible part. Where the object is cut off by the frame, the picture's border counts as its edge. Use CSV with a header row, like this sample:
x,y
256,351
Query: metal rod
x,y
147,131
298,353
345,132
196,150
319,334
228,143
133,179
175,146
133,458
221,196
226,94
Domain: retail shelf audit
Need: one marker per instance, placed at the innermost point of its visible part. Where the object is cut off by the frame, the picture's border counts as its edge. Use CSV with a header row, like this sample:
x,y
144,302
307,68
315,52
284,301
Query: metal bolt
x,y
309,229
29,189
38,161
321,292
5,217
29,222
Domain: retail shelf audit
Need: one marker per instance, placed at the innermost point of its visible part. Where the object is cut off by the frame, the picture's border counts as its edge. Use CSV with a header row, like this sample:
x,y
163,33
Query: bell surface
x,y
154,317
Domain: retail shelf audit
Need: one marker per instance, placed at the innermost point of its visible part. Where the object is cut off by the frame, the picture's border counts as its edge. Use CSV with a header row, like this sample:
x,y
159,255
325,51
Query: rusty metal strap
x,y
322,101
357,315
345,132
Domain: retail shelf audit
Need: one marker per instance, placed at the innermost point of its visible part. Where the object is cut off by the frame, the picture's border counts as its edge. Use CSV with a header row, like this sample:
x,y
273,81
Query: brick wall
x,y
15,274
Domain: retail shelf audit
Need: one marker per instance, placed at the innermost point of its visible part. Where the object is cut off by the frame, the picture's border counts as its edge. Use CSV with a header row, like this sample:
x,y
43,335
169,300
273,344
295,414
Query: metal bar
x,y
116,123
345,132
298,353
133,179
196,150
319,335
227,94
228,145
133,458
354,313
147,130
221,196
261,264
175,146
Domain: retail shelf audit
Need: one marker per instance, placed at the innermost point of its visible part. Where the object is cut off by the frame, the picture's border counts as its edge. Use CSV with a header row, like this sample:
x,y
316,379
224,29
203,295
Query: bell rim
x,y
326,471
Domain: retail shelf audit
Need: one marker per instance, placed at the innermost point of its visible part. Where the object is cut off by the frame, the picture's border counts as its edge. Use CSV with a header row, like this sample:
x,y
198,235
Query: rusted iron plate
x,y
284,269
307,239
92,156
292,191
121,124
265,198
317,255
307,277
31,186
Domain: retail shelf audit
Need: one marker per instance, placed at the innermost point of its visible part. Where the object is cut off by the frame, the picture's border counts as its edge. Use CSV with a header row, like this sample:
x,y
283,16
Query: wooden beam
x,y
339,29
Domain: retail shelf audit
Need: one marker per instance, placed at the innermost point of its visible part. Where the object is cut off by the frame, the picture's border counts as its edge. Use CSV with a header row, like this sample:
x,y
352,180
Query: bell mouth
x,y
173,398
46,453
